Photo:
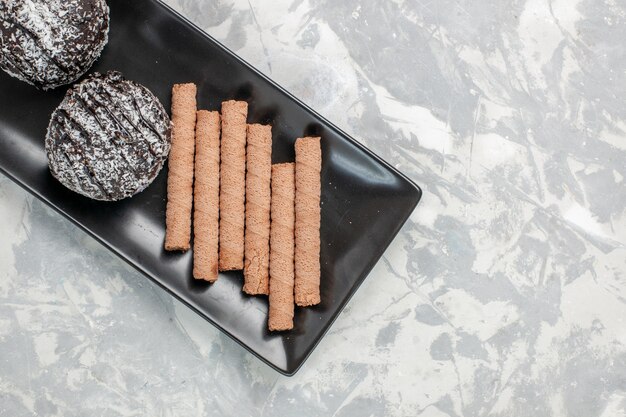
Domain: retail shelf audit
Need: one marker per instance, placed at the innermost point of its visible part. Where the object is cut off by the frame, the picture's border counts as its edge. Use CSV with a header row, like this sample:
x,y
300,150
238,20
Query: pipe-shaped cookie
x,y
206,195
180,176
232,185
308,189
282,247
257,236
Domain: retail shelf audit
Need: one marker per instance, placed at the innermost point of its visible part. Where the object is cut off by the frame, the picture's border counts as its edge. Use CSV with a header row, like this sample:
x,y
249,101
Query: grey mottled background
x,y
504,295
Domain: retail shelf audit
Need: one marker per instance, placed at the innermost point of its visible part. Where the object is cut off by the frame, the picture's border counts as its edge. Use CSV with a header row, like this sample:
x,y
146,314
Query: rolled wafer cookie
x,y
180,176
206,195
307,253
232,185
282,246
257,234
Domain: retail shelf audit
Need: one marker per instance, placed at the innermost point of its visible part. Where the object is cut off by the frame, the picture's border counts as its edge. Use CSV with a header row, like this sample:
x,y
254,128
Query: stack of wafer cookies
x,y
248,214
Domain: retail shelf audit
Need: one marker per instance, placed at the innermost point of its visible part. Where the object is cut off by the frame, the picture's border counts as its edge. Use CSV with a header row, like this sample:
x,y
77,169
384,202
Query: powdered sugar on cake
x,y
109,138
49,43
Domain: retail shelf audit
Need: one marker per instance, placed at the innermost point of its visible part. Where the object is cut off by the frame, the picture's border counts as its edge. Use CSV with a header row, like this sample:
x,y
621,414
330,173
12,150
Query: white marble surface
x,y
505,293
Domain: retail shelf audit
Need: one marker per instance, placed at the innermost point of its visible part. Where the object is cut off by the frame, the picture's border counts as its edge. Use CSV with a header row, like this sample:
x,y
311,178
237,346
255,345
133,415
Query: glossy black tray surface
x,y
364,200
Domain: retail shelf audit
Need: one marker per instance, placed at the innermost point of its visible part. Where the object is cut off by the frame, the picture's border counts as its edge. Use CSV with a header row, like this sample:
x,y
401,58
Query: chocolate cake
x,y
109,138
49,43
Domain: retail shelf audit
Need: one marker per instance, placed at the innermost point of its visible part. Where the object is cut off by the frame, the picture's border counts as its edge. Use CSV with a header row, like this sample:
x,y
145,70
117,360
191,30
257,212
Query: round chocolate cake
x,y
49,43
109,138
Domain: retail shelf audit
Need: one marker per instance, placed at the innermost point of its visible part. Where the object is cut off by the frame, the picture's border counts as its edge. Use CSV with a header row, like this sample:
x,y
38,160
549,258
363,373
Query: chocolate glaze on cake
x,y
49,43
109,138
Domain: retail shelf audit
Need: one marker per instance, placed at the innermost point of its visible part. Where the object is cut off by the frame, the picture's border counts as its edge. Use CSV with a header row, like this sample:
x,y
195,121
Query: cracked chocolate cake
x,y
109,138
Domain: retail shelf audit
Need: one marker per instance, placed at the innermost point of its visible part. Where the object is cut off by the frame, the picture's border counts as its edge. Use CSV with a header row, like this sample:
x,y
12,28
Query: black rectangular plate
x,y
364,200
